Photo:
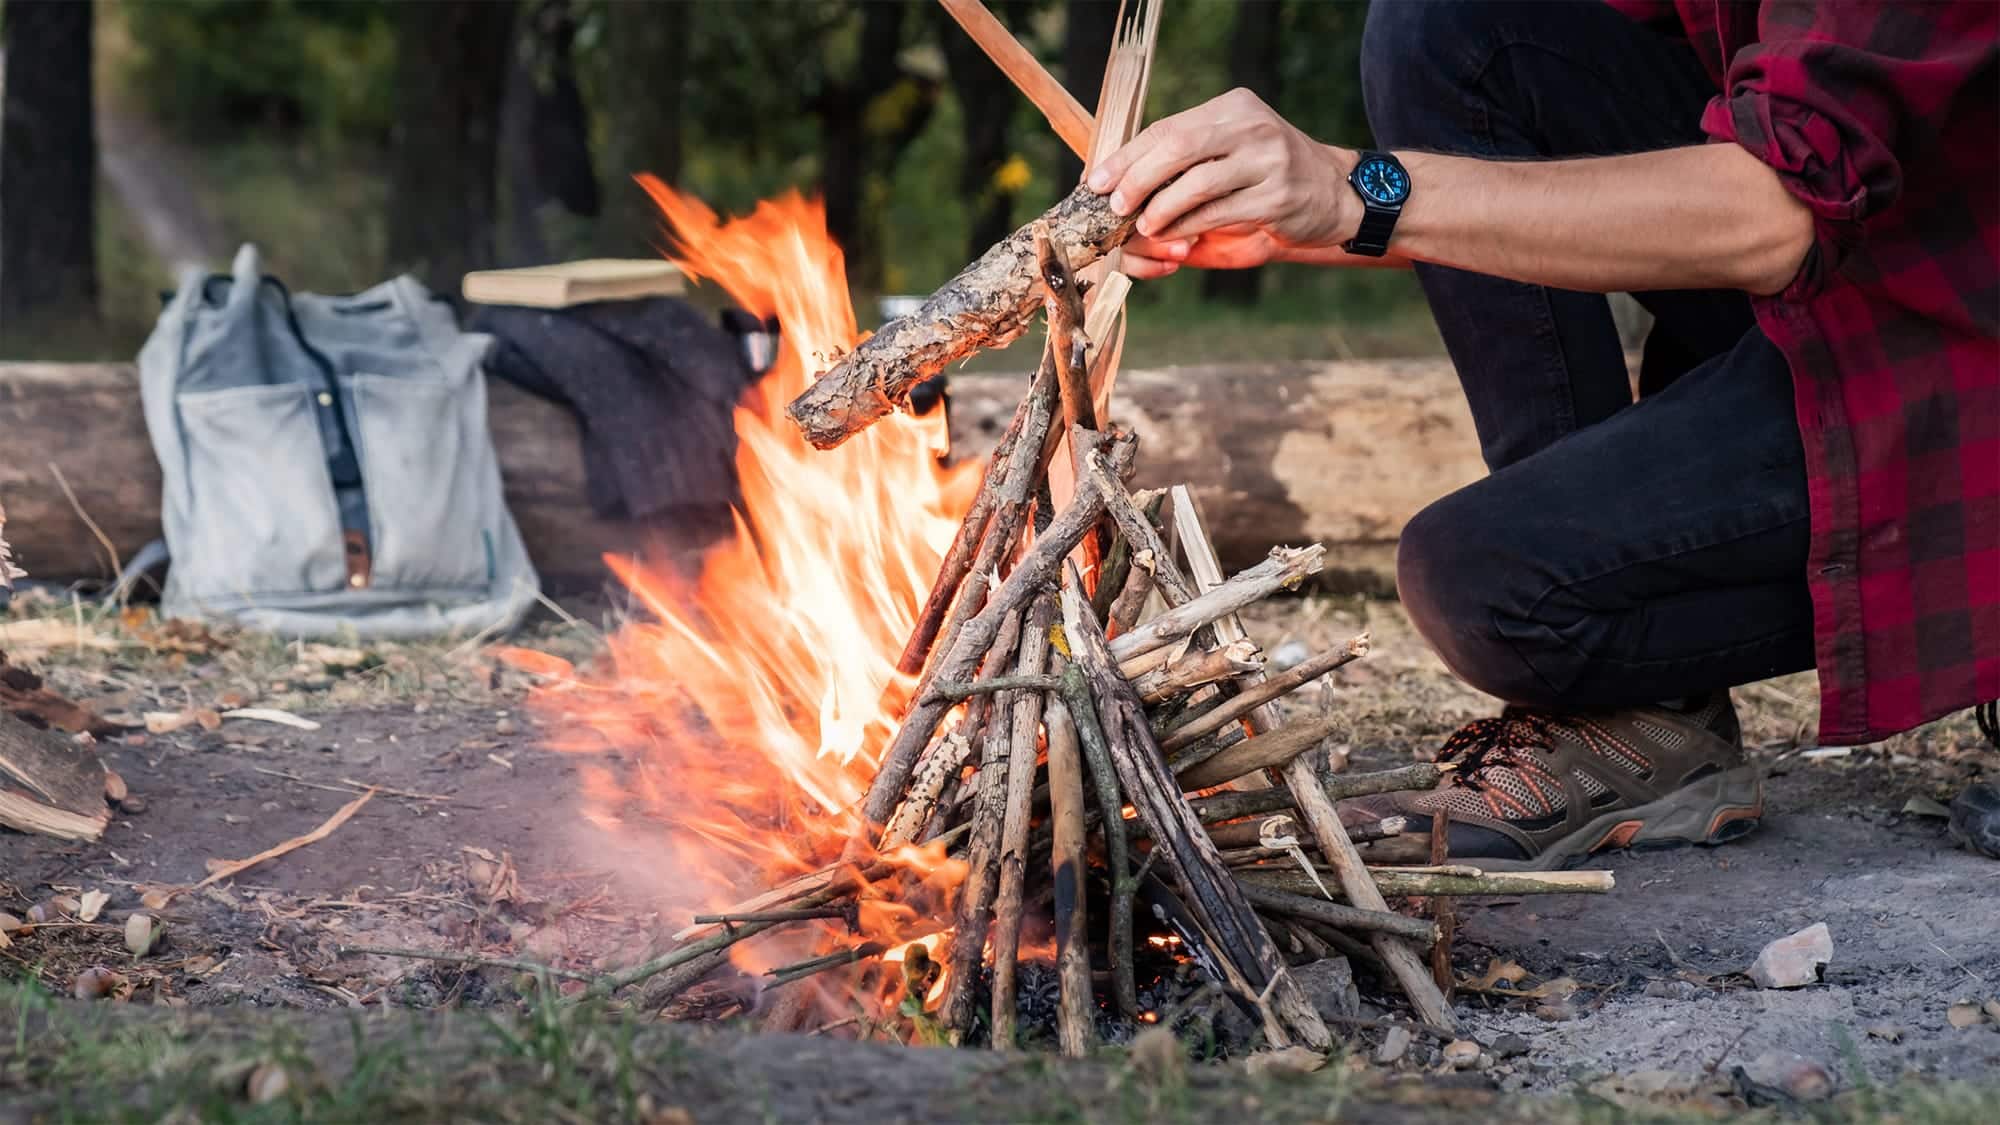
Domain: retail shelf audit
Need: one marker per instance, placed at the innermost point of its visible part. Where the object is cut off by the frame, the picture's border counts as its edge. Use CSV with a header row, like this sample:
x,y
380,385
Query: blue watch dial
x,y
1382,181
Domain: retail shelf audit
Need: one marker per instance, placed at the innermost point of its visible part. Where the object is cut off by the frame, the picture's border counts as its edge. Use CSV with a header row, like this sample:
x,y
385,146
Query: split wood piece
x,y
967,941
1111,818
1314,807
1068,866
1069,119
1012,494
1233,932
1338,787
1257,695
1063,304
1197,669
957,562
1130,602
1269,750
1403,882
1013,864
49,784
988,305
1269,899
1284,569
1035,570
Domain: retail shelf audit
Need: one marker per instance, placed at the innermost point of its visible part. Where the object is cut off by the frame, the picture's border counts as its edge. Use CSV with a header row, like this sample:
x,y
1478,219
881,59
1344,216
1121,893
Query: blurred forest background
x,y
354,139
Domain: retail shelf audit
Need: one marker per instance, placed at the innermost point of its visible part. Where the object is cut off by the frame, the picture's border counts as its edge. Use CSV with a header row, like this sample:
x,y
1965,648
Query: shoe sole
x,y
1715,810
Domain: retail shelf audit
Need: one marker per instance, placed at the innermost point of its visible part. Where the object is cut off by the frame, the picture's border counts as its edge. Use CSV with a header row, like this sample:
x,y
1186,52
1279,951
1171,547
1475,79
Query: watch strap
x,y
1377,223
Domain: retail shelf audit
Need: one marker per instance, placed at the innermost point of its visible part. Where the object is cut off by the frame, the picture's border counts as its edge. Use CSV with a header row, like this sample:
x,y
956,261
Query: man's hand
x,y
1252,189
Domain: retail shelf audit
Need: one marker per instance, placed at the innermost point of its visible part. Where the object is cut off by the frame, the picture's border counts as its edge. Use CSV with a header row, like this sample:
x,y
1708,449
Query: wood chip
x,y
271,715
91,905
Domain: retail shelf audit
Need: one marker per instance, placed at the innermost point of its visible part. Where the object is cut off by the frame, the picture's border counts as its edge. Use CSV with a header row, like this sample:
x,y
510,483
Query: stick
x,y
1268,898
1074,1026
786,974
234,867
1230,660
1016,488
714,943
1252,698
1070,120
1148,549
1402,883
1260,752
975,896
1111,810
1030,575
992,686
1249,833
1338,787
1287,567
1238,940
1130,602
1007,903
1442,911
1067,342
463,959
841,913
988,305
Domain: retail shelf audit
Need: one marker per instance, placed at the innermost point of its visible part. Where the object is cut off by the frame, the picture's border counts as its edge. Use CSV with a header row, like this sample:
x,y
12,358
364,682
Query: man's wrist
x,y
1347,208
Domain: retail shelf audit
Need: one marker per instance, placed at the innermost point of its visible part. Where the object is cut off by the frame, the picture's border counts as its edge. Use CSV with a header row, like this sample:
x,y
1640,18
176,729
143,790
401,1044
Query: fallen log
x,y
1342,453
988,305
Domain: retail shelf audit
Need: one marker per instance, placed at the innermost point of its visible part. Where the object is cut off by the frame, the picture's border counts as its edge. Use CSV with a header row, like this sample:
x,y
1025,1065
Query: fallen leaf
x,y
156,898
9,923
91,905
166,722
271,715
1924,806
1285,1063
1963,1015
142,931
1497,970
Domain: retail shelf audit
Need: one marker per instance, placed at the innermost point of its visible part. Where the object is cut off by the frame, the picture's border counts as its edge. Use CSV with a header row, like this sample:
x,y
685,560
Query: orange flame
x,y
748,710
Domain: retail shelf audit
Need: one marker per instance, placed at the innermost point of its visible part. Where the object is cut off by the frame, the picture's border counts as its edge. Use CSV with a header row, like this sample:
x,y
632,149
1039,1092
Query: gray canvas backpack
x,y
327,463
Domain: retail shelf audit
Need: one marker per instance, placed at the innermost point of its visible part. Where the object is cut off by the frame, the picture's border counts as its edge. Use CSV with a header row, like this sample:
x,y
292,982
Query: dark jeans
x,y
1621,552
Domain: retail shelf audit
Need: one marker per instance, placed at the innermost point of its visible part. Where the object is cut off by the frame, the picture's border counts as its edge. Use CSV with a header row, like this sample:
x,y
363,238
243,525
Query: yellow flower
x,y
1012,176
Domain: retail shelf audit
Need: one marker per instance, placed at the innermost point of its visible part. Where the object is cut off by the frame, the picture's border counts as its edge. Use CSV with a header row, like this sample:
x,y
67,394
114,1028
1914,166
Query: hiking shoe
x,y
1975,818
1542,790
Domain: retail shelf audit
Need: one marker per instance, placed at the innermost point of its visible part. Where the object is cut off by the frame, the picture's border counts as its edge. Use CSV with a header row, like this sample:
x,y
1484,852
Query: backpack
x,y
326,461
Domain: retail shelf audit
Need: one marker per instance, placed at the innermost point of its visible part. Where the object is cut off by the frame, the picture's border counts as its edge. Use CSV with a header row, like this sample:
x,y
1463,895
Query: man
x,y
1806,198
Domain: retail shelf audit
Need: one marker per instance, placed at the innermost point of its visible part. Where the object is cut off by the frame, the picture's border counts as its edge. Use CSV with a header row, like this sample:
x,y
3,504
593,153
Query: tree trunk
x,y
849,154
1089,26
646,62
48,167
1253,64
451,74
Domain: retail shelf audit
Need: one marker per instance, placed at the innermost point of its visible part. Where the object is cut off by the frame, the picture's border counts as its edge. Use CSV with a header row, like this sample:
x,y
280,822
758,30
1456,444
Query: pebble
x,y
1395,1044
1462,1054
1289,655
506,726
133,805
1555,1011
1794,961
1796,1075
1509,1046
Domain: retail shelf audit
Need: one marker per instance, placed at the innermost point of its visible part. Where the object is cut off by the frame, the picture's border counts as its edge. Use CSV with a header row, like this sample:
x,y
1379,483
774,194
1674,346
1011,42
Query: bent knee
x,y
1458,591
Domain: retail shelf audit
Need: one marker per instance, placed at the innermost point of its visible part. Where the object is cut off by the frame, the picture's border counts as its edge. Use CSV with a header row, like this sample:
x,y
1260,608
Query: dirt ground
x,y
472,843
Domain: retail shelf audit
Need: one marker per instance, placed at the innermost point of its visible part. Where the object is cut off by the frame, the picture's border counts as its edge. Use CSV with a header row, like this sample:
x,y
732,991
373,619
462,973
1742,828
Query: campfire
x,y
960,720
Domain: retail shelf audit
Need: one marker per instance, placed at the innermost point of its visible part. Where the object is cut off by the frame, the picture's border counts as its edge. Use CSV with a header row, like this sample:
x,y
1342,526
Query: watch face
x,y
1383,181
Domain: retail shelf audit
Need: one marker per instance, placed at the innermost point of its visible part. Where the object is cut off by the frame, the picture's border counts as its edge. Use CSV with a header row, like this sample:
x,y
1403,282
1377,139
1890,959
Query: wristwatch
x,y
1384,186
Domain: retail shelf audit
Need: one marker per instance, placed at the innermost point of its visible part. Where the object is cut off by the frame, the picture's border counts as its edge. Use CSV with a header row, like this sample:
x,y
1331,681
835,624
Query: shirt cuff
x,y
1809,154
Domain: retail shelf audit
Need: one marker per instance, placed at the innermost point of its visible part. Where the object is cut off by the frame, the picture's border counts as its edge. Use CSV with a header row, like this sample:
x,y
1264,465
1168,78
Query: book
x,y
574,283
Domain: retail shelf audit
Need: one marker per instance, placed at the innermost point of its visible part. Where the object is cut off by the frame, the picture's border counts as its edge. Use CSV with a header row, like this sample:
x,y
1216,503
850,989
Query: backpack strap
x,y
343,464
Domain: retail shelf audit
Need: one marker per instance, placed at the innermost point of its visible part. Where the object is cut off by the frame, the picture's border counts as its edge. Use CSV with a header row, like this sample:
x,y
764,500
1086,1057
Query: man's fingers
x,y
1230,210
1139,267
1198,185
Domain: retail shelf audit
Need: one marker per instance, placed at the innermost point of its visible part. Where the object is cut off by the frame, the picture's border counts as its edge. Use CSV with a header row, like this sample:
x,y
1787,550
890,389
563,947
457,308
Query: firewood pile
x,y
1089,710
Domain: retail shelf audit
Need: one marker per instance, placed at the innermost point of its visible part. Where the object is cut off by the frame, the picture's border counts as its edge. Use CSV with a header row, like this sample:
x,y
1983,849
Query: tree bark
x,y
451,74
1254,44
48,168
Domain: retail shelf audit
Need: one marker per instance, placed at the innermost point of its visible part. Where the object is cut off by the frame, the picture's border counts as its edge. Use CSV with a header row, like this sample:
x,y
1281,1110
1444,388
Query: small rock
x,y
95,983
1462,1054
1797,1076
133,804
1395,1044
1329,984
1964,1014
1794,961
506,726
1509,1046
1886,1032
1555,1011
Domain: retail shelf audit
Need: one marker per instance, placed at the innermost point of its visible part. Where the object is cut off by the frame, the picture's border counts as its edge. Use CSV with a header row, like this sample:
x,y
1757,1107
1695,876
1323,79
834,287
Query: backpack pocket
x,y
263,515
431,481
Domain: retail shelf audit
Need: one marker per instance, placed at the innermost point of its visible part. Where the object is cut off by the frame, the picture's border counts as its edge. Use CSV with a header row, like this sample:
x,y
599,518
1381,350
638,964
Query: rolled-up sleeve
x,y
1833,92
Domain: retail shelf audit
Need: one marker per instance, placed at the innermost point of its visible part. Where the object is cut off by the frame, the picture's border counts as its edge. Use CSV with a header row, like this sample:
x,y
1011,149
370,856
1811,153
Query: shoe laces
x,y
1499,742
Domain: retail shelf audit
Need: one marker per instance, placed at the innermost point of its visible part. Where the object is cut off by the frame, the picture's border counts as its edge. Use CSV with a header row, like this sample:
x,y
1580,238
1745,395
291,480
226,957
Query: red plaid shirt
x,y
1884,118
